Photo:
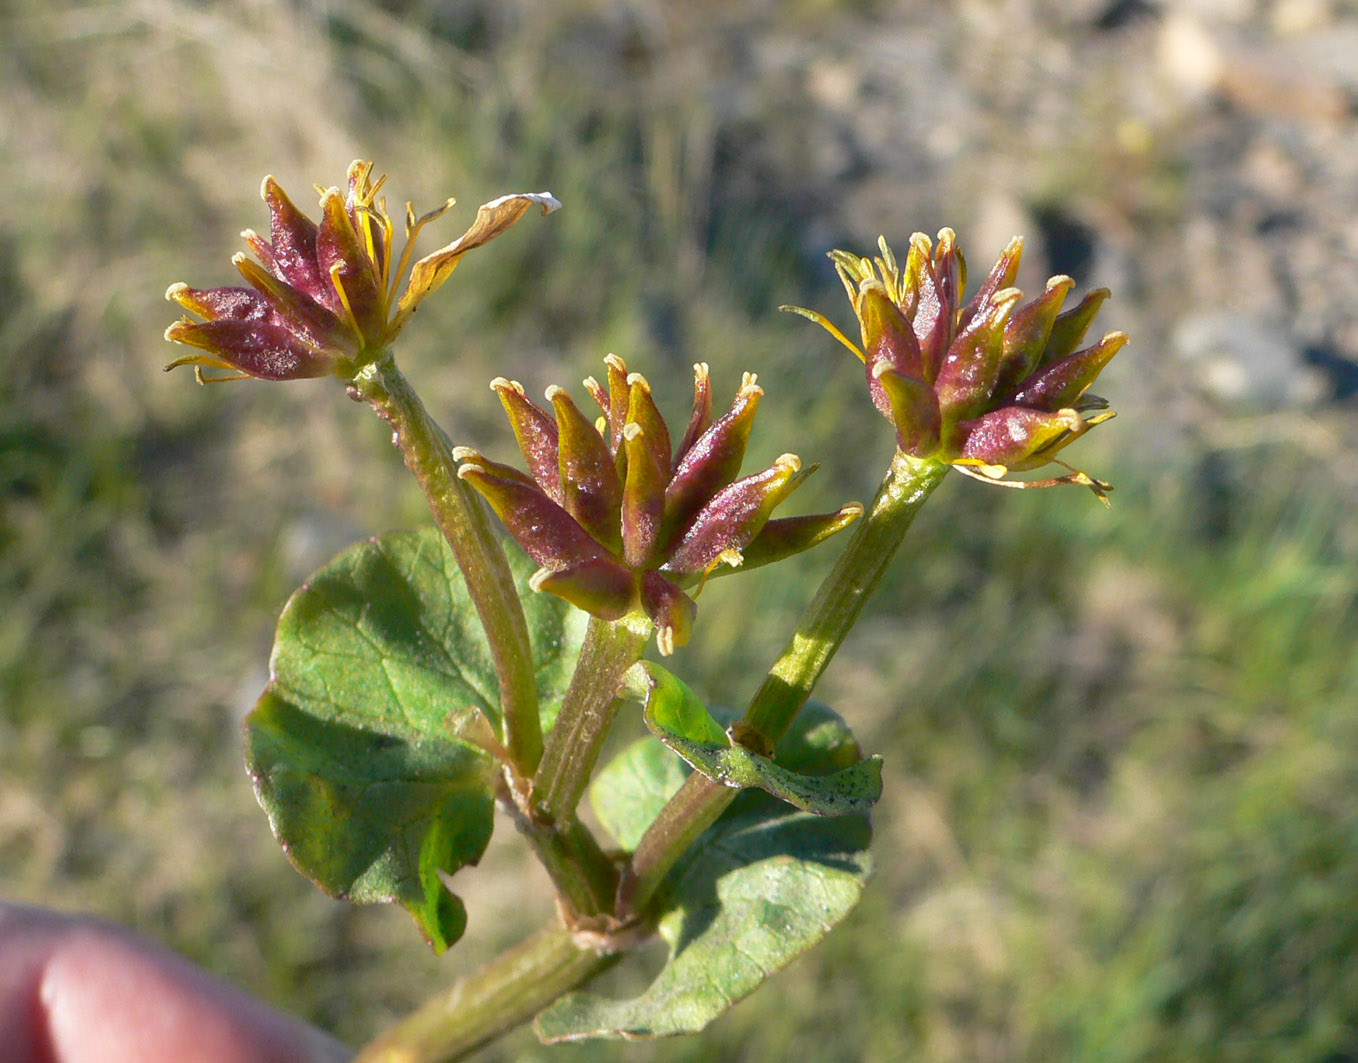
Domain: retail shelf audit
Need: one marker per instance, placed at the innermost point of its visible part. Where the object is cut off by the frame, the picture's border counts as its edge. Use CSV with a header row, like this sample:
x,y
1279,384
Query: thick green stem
x,y
823,626
841,597
582,873
585,878
507,991
429,456
587,714
696,806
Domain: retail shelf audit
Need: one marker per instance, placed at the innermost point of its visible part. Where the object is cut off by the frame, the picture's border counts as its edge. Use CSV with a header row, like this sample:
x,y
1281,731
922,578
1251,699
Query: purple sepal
x,y
1028,332
714,459
256,348
590,488
600,586
733,517
643,499
1013,434
701,418
784,536
670,609
913,409
536,433
1068,331
1063,383
967,376
547,532
292,251
1004,274
349,270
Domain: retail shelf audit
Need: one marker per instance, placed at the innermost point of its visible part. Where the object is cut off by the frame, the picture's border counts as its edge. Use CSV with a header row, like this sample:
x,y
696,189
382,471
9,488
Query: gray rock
x,y
1246,363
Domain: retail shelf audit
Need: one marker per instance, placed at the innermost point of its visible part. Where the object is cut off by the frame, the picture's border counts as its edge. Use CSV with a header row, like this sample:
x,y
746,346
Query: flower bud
x,y
322,296
990,386
620,522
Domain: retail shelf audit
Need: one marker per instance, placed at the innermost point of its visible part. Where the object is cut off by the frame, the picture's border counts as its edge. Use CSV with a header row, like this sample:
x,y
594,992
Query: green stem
x,y
841,597
694,808
587,714
823,626
507,991
429,456
585,878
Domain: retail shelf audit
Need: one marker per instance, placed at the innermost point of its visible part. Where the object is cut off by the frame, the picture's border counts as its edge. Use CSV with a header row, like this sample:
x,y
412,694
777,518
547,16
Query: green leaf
x,y
361,746
763,885
678,717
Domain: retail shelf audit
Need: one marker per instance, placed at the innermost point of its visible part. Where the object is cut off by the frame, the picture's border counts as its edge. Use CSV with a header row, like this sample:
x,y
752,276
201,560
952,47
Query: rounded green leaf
x,y
763,885
361,746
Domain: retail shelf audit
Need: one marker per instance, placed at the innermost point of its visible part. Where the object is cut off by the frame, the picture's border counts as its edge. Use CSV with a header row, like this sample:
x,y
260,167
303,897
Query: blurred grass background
x,y
1121,820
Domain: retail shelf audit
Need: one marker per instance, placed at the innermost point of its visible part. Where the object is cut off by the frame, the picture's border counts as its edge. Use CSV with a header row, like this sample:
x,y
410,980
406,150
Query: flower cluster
x,y
619,520
991,385
322,297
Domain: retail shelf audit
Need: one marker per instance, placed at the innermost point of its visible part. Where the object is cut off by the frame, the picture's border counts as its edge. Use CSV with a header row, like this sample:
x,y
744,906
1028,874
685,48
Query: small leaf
x,y
677,716
765,884
361,746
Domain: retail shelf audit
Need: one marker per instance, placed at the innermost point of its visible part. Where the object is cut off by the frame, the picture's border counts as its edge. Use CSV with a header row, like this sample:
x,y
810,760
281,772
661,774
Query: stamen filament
x,y
829,326
388,241
374,249
344,299
413,227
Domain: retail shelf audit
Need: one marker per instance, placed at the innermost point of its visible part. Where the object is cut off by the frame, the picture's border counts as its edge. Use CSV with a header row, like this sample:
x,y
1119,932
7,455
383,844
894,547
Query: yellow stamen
x,y
204,381
344,298
196,358
980,470
992,475
730,556
388,242
851,270
413,227
891,272
374,247
199,360
829,326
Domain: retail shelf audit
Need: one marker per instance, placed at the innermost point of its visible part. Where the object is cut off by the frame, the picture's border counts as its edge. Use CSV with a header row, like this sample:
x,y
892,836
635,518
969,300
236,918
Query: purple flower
x,y
991,385
620,519
322,297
